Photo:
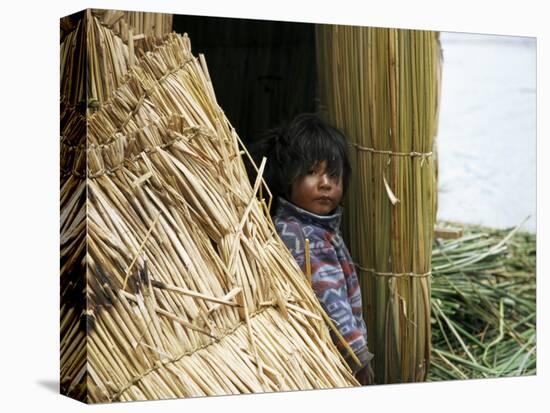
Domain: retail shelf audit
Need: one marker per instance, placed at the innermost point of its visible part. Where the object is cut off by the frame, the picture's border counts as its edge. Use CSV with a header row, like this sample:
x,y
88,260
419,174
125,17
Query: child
x,y
308,170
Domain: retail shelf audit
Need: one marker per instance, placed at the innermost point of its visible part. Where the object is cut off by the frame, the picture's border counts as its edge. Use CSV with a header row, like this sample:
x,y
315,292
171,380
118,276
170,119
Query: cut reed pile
x,y
189,290
484,305
381,87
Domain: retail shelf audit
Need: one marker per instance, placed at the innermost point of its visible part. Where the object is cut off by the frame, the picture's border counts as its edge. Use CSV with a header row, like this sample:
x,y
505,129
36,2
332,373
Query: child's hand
x,y
365,376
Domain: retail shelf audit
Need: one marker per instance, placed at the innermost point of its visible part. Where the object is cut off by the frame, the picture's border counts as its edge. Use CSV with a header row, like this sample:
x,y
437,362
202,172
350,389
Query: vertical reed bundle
x,y
189,290
380,86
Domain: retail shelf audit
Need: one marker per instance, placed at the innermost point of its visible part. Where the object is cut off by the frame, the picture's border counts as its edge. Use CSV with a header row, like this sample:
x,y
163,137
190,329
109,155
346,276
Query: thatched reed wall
x,y
173,280
125,24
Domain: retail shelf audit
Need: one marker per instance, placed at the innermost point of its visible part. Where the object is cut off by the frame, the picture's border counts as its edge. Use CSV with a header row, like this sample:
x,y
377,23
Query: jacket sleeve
x,y
331,288
354,296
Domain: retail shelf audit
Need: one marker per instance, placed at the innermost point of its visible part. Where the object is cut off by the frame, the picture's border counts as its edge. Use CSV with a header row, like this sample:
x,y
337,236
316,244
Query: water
x,y
487,130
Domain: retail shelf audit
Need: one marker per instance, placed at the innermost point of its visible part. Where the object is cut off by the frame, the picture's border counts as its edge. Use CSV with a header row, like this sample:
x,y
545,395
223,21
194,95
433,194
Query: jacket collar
x,y
329,222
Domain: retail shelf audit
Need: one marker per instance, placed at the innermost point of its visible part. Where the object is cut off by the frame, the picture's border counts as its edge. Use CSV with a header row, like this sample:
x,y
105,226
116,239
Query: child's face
x,y
317,191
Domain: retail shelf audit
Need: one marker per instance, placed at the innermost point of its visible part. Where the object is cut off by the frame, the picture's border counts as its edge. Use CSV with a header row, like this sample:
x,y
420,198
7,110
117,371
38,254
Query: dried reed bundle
x,y
189,289
110,57
380,86
150,25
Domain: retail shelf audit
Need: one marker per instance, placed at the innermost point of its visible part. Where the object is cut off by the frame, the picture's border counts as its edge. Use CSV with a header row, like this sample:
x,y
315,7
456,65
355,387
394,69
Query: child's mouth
x,y
324,200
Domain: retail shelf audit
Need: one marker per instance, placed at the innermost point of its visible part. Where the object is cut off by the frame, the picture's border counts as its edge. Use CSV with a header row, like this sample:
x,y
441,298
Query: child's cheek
x,y
311,185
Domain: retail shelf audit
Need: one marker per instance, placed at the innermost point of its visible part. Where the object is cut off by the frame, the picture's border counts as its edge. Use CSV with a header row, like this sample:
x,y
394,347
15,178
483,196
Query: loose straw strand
x,y
139,250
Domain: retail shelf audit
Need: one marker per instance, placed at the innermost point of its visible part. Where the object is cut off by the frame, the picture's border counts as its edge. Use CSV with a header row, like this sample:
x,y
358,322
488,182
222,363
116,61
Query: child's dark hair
x,y
292,150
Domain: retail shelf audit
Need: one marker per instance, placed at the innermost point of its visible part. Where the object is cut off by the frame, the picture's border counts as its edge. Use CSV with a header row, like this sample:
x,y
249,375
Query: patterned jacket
x,y
333,275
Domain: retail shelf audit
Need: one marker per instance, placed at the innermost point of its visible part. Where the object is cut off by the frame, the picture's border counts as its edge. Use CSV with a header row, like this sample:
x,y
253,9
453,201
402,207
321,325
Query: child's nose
x,y
325,181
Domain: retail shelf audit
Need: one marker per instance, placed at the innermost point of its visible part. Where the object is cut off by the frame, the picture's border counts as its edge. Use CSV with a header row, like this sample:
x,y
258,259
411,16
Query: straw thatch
x,y
125,24
381,86
188,290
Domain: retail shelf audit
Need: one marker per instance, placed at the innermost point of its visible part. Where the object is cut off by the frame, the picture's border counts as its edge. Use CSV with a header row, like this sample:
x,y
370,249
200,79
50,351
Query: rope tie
x,y
188,133
392,274
413,154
